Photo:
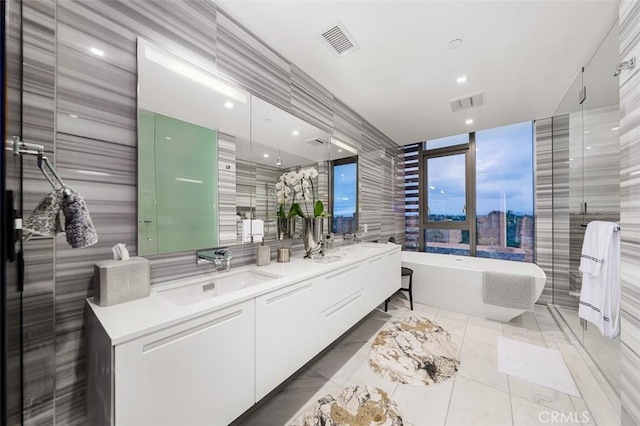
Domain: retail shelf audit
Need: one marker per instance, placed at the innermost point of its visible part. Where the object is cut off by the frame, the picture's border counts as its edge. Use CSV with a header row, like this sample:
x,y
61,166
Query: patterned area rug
x,y
414,351
353,406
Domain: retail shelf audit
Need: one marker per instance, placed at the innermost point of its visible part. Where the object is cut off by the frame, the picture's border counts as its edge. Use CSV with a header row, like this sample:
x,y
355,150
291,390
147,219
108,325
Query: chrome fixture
x,y
353,238
626,65
220,257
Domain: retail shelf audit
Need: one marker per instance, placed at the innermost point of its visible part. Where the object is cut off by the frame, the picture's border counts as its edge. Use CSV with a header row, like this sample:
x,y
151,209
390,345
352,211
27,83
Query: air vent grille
x,y
316,142
466,102
339,40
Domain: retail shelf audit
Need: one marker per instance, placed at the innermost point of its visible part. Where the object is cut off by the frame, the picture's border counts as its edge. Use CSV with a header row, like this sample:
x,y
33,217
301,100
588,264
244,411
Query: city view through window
x,y
345,180
503,193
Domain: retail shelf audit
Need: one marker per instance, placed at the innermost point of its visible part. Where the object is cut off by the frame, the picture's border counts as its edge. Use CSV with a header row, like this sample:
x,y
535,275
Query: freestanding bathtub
x,y
455,282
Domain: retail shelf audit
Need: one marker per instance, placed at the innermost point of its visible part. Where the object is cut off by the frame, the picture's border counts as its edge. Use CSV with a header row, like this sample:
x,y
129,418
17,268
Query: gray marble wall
x,y
82,108
629,214
552,206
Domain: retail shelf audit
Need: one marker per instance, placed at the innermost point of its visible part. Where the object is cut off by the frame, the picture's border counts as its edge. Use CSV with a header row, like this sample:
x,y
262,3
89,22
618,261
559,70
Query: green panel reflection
x,y
186,159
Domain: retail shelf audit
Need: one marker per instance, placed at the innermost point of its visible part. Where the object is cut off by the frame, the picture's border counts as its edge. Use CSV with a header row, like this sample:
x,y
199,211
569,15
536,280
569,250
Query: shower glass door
x,y
586,187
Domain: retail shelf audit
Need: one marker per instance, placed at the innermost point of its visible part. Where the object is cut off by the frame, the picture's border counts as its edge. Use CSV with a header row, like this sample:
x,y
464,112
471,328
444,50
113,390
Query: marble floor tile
x,y
592,394
581,408
285,405
341,360
424,405
523,334
526,320
454,322
480,329
527,413
368,328
474,403
479,361
539,395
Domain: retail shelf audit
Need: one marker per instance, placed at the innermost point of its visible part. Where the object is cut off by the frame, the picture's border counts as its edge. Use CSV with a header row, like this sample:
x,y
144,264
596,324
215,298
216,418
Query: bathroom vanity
x,y
204,350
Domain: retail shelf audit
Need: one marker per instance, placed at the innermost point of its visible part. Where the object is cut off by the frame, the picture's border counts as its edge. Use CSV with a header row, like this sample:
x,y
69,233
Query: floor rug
x,y
414,351
353,406
536,364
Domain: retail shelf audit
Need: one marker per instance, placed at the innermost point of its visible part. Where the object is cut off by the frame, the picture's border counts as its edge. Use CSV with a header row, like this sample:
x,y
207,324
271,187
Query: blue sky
x,y
344,196
504,173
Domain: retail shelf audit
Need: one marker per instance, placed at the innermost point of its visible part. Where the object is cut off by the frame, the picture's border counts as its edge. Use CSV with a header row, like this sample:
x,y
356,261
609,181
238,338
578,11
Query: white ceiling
x,y
524,55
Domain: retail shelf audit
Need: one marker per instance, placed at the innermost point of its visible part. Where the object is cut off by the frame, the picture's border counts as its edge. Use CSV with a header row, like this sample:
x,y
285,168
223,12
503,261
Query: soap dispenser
x,y
263,254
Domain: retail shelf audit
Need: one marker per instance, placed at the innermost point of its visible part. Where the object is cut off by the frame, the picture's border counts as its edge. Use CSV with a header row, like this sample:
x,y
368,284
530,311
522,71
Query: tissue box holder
x,y
119,281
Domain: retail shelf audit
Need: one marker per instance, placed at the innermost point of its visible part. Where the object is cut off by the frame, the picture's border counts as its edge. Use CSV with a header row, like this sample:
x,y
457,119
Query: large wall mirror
x,y
193,129
210,155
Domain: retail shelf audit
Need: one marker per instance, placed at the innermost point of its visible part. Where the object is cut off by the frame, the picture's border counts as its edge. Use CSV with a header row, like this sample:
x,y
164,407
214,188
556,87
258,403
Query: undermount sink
x,y
358,249
185,294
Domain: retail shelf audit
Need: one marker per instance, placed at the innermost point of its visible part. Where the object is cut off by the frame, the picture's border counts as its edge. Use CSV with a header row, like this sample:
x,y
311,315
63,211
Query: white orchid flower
x,y
297,188
279,185
306,183
313,173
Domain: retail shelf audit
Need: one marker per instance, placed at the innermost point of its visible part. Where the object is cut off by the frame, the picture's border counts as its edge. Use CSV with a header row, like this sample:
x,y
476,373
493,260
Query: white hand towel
x,y
596,246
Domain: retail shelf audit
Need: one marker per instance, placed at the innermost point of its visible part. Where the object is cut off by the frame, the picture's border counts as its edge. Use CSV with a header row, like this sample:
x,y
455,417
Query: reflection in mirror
x,y
192,129
344,184
282,143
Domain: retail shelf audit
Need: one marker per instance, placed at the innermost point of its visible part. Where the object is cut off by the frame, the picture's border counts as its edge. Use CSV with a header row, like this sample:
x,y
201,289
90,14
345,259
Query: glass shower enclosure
x,y
586,187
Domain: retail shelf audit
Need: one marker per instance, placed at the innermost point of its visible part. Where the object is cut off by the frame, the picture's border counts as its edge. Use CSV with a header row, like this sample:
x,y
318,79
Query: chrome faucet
x,y
220,257
353,238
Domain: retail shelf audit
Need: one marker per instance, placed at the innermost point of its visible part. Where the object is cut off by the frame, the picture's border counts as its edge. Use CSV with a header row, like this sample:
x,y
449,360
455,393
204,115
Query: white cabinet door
x,y
376,287
394,274
343,302
286,334
200,372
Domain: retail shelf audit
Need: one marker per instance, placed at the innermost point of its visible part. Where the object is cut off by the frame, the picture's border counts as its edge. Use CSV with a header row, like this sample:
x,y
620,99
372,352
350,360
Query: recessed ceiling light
x,y
441,191
345,198
73,116
265,155
97,52
615,128
469,121
455,43
570,159
295,133
432,187
339,150
168,138
587,131
461,79
588,147
228,104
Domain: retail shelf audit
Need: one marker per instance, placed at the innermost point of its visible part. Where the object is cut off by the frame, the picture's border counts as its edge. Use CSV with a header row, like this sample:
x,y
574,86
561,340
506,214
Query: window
x,y
345,190
504,192
476,195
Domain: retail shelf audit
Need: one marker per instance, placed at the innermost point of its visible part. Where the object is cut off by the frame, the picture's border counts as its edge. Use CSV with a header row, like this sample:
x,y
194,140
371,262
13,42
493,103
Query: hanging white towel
x,y
252,228
600,265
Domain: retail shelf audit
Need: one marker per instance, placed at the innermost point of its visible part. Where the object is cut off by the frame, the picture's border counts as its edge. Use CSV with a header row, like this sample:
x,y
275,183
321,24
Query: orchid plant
x,y
298,188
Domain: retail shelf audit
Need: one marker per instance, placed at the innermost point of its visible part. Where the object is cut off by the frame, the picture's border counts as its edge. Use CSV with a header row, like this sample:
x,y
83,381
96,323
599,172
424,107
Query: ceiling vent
x,y
316,142
339,40
467,102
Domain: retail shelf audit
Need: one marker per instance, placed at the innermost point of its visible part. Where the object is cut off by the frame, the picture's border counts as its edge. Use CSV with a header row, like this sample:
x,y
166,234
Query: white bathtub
x,y
455,282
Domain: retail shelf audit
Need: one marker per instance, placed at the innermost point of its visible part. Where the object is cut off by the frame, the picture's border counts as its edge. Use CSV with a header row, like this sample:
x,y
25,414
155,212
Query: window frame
x,y
340,162
469,151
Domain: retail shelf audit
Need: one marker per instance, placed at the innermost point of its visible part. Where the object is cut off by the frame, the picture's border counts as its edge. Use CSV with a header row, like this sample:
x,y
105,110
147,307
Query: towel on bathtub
x,y
508,290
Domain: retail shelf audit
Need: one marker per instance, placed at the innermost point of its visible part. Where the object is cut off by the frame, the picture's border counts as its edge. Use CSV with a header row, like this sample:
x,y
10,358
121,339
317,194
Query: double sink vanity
x,y
206,349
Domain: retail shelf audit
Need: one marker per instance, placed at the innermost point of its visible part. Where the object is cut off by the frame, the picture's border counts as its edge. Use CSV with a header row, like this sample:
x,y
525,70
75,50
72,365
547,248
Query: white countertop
x,y
133,319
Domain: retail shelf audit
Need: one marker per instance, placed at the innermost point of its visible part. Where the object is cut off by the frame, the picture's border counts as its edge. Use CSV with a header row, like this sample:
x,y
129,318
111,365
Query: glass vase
x,y
312,236
286,228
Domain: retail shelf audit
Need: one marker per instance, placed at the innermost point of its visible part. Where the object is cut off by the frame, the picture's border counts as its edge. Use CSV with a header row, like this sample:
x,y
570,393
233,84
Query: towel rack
x,y
617,228
21,148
